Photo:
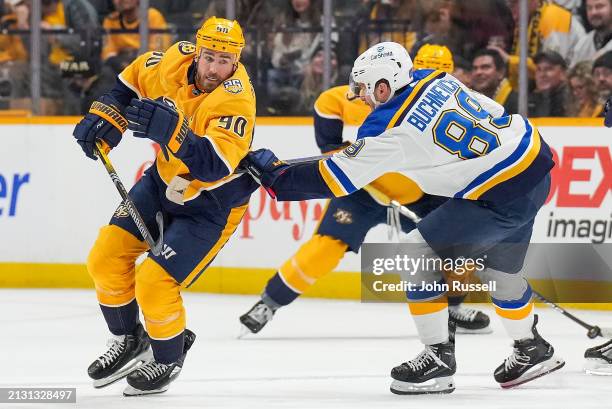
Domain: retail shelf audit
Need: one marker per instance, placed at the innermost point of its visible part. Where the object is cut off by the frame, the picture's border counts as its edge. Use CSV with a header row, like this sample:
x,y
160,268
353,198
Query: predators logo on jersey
x,y
343,216
233,86
186,48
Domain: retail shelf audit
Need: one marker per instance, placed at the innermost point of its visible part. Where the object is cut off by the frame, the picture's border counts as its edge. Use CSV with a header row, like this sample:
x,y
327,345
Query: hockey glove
x,y
158,120
265,167
104,121
608,113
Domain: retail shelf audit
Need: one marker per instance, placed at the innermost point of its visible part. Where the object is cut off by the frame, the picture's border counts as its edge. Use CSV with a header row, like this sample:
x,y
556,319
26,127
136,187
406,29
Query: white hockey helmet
x,y
384,61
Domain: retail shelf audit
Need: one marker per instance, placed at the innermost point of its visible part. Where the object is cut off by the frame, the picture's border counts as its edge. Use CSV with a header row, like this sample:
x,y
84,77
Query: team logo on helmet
x,y
233,86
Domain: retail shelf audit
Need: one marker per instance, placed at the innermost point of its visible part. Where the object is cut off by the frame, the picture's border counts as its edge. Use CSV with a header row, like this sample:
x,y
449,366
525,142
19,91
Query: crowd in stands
x,y
86,43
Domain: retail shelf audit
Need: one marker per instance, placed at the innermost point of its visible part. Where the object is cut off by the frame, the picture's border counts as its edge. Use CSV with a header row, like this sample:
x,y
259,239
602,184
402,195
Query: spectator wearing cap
x,y
489,78
125,46
87,80
598,41
551,28
602,72
585,98
551,95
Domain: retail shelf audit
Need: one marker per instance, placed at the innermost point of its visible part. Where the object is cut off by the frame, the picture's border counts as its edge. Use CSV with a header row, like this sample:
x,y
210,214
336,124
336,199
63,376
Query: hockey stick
x,y
593,331
156,247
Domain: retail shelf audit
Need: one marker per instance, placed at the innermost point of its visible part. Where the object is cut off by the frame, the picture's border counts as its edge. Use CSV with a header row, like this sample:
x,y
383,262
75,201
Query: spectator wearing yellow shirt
x,y
585,102
12,57
551,28
11,46
78,15
126,18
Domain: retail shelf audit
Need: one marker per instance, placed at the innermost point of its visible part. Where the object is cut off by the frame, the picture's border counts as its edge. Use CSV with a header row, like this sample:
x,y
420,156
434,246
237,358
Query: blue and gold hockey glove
x,y
104,121
265,167
608,113
160,121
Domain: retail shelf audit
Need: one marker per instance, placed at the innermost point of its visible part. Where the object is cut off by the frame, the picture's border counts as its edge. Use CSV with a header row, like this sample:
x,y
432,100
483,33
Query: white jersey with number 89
x,y
450,140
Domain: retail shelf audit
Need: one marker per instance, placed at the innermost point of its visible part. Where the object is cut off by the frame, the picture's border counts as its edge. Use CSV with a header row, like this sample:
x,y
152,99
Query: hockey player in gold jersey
x,y
197,102
347,220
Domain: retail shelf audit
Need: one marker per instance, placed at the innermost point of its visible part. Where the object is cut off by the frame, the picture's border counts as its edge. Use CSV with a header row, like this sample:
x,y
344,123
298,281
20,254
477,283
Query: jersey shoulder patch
x,y
353,149
233,86
186,47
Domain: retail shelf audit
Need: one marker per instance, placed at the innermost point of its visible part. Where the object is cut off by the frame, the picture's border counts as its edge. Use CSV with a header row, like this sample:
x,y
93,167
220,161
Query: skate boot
x,y
154,377
530,359
430,372
125,354
469,320
599,359
257,317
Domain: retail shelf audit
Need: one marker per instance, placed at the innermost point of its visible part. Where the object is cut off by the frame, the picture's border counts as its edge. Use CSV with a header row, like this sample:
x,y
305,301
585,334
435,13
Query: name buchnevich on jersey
x,y
431,102
455,286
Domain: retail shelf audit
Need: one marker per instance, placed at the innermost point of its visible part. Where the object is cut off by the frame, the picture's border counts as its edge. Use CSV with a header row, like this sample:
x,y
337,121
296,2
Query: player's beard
x,y
207,85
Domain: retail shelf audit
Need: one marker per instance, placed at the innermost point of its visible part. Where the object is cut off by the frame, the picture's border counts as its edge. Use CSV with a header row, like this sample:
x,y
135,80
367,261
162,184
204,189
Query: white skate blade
x,y
485,330
126,370
444,384
597,366
541,369
244,331
131,391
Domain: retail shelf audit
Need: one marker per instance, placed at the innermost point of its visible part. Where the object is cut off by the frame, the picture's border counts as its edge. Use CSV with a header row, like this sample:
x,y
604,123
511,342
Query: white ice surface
x,y
314,354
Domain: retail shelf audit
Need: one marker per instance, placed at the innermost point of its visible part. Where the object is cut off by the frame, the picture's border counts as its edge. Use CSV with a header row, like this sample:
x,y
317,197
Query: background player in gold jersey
x,y
197,102
347,220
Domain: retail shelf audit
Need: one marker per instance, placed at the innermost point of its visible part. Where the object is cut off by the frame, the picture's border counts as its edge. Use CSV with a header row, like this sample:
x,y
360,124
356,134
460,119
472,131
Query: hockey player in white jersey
x,y
456,143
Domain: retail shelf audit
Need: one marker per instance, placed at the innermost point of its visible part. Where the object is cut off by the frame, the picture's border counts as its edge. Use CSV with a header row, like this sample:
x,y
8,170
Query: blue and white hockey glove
x,y
104,121
159,120
265,167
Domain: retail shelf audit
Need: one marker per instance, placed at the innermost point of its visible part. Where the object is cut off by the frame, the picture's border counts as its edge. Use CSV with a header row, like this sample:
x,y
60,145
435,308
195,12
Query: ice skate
x,y
154,377
599,359
256,318
469,320
430,372
531,358
125,354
